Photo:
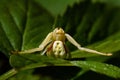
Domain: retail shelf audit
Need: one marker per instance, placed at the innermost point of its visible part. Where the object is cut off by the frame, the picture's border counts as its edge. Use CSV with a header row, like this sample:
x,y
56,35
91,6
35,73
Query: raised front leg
x,y
70,39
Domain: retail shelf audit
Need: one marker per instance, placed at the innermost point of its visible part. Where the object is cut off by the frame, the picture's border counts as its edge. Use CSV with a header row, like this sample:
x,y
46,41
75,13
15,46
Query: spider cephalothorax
x,y
59,34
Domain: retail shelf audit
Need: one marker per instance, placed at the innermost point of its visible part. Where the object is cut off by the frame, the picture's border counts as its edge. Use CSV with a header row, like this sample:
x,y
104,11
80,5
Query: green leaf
x,y
110,2
22,75
34,61
102,68
87,22
31,61
23,25
83,71
100,24
56,7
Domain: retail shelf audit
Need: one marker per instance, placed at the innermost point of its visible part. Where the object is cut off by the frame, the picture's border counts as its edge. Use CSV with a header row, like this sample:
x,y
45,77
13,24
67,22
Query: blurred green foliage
x,y
92,23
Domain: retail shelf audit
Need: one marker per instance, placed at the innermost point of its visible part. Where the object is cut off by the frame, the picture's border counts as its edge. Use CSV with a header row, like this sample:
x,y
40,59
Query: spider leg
x,y
47,40
70,39
94,51
40,48
30,51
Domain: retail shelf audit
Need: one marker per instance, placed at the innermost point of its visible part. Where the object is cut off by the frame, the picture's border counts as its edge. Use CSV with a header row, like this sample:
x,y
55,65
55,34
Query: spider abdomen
x,y
58,50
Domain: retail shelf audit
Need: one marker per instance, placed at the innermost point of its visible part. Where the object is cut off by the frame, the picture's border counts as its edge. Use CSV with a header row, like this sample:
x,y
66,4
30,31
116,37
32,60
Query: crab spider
x,y
54,45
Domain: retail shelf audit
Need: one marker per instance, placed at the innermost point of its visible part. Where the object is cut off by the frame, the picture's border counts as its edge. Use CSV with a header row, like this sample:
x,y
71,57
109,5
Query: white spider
x,y
54,45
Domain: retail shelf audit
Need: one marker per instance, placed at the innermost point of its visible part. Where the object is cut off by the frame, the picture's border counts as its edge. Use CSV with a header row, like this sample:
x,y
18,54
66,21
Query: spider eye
x,y
59,31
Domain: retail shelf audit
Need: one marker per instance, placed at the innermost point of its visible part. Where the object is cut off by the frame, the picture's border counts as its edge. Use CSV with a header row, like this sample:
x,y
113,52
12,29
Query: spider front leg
x,y
40,48
70,39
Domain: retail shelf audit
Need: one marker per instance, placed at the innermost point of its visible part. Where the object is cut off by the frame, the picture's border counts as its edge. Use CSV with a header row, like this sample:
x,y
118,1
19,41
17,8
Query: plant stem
x,y
8,74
